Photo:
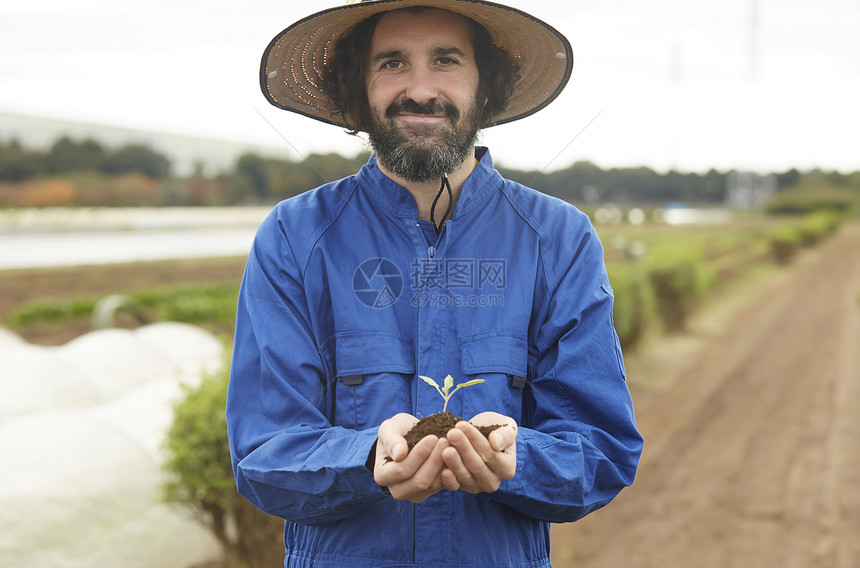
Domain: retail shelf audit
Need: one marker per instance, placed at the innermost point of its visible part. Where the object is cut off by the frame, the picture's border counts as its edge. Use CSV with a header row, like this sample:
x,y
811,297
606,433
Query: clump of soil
x,y
439,424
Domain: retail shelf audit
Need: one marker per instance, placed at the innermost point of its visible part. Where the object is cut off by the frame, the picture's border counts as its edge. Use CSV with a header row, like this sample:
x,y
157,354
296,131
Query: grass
x,y
208,302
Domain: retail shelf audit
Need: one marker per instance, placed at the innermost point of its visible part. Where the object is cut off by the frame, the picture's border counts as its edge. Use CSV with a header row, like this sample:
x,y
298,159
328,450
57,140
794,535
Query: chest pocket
x,y
501,359
374,370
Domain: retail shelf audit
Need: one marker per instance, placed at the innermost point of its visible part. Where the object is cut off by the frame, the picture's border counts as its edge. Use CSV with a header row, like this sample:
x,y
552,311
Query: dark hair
x,y
497,72
344,79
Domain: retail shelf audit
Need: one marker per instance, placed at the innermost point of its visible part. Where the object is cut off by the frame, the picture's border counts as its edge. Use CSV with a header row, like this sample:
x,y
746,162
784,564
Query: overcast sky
x,y
764,85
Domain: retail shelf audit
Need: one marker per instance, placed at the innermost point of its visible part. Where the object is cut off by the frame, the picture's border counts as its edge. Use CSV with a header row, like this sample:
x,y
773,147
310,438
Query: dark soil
x,y
438,425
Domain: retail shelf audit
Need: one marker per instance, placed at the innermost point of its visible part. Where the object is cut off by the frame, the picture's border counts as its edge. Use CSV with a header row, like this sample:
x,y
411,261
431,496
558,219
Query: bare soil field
x,y
752,433
18,286
752,455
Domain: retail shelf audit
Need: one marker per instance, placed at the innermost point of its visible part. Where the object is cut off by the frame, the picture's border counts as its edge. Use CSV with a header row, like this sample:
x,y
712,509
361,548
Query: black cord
x,y
445,185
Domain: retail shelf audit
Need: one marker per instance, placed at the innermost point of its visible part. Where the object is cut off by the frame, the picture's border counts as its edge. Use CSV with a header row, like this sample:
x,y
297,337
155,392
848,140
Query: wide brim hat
x,y
293,65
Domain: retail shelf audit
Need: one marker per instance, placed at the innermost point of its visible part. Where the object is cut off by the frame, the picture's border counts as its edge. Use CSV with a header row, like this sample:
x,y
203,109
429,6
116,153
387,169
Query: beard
x,y
423,154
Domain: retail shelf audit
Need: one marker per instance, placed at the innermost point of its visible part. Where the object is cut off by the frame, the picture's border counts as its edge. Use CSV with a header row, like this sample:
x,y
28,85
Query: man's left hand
x,y
477,464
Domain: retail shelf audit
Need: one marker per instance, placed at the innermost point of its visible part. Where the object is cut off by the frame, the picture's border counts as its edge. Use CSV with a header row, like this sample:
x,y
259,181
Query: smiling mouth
x,y
421,125
422,117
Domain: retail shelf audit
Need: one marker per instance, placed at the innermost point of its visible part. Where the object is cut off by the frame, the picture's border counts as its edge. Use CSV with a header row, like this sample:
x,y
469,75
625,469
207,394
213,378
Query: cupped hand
x,y
409,475
477,464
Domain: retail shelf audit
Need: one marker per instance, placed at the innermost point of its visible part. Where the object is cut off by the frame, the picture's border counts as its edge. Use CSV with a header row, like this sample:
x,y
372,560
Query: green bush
x,y
784,241
678,278
634,302
810,197
201,478
199,459
818,225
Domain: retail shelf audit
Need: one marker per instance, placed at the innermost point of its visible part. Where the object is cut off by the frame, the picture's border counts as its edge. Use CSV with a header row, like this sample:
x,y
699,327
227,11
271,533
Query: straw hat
x,y
292,67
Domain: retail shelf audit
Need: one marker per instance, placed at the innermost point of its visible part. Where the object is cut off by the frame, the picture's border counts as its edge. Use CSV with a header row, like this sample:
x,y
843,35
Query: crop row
x,y
665,280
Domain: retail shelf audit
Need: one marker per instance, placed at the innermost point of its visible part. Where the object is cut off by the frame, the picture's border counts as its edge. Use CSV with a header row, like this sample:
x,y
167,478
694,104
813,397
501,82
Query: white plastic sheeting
x,y
81,435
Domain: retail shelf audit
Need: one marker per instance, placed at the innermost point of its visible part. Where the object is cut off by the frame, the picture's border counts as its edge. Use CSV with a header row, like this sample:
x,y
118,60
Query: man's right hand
x,y
409,475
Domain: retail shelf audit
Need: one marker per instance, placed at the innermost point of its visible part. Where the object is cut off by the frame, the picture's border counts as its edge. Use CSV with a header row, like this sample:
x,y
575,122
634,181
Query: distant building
x,y
748,190
186,153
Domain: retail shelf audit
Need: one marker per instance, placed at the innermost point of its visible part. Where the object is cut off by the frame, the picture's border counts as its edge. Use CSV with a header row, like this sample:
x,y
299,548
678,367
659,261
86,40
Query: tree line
x,y
68,156
85,172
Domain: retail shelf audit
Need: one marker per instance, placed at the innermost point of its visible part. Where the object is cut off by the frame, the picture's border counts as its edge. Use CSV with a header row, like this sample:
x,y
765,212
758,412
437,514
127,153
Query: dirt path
x,y
752,455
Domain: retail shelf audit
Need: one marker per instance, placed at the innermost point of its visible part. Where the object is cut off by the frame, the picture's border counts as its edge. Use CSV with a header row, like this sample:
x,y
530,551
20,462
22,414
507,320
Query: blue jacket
x,y
347,297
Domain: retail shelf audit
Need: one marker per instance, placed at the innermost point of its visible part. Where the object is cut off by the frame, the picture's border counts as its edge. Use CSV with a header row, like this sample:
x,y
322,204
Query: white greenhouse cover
x,y
82,428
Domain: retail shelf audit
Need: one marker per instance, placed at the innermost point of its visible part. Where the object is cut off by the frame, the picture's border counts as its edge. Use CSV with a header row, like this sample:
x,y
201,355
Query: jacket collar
x,y
483,182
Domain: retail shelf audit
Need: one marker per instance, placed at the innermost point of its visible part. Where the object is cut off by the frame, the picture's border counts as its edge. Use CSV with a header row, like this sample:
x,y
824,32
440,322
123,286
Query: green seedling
x,y
445,391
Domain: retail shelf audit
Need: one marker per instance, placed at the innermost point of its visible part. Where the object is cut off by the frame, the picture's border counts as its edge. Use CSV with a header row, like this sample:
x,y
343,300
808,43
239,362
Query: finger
x,y
502,438
426,480
449,480
478,441
505,433
419,453
488,467
388,473
452,460
473,460
456,476
391,434
399,450
502,463
431,466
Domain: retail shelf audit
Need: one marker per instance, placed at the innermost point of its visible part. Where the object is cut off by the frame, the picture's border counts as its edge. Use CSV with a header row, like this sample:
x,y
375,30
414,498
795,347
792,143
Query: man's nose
x,y
421,86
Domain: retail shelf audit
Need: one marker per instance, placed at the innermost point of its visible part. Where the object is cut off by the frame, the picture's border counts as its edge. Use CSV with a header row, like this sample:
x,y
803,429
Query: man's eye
x,y
393,64
446,61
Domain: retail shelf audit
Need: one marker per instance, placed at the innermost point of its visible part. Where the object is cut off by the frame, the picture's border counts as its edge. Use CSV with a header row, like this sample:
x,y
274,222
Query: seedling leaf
x,y
434,384
446,391
429,381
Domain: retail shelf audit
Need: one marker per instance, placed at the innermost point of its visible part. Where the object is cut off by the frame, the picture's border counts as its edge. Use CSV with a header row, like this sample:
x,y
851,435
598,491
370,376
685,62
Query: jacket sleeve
x,y
287,458
578,445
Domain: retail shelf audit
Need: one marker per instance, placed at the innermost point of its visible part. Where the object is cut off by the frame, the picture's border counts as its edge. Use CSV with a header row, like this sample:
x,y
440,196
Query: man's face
x,y
421,85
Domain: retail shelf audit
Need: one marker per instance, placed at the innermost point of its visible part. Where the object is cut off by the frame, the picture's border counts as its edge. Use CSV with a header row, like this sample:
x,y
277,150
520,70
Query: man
x,y
426,262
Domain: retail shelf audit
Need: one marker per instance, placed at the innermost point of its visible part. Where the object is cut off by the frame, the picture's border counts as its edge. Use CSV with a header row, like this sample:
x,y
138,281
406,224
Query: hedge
x,y
679,278
200,477
634,302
